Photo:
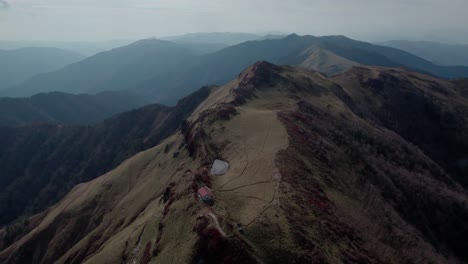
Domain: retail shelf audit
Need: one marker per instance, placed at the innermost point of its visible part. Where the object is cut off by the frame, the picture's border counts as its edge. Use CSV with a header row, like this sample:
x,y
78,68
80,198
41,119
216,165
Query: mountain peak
x,y
259,73
293,36
261,66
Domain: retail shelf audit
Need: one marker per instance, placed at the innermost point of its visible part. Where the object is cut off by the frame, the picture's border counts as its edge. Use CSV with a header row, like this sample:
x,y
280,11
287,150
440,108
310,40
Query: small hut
x,y
205,195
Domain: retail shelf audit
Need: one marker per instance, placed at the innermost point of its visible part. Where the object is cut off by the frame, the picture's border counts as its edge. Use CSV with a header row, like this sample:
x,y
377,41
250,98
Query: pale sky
x,y
371,20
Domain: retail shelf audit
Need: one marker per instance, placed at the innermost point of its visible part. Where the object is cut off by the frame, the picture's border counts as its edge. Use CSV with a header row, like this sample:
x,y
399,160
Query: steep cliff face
x,y
321,170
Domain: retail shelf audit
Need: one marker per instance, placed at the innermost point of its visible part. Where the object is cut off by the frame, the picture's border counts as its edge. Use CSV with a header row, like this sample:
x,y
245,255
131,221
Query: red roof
x,y
204,191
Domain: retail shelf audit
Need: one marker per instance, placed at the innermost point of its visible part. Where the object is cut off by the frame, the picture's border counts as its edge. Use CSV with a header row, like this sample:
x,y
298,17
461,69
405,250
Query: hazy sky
x,y
373,20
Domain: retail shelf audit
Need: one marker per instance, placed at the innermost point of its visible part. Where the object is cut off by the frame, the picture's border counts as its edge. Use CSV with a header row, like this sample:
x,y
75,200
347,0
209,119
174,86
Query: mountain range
x,y
164,71
117,69
332,151
87,48
210,42
223,38
322,169
438,53
19,65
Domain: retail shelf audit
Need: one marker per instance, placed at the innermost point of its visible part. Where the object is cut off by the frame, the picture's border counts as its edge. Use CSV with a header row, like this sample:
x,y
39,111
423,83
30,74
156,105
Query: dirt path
x,y
215,219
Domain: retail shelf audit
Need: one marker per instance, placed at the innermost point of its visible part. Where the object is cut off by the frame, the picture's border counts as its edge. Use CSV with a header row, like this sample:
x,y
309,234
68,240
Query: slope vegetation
x,y
321,170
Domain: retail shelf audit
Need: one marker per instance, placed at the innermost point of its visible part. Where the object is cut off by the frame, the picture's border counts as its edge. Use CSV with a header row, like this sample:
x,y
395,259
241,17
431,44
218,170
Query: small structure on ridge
x,y
205,195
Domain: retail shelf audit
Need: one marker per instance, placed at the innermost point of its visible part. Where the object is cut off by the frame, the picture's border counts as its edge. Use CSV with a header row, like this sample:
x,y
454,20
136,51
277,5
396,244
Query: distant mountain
x,y
273,36
63,108
354,50
211,42
205,43
19,65
165,71
203,48
118,69
87,48
329,55
438,53
367,166
224,38
40,163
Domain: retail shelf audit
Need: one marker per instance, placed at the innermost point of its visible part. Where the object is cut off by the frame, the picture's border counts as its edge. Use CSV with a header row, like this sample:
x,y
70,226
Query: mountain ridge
x,y
316,174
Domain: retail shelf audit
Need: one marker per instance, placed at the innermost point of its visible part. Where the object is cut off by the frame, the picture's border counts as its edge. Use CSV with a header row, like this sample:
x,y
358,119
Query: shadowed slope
x,y
63,108
39,164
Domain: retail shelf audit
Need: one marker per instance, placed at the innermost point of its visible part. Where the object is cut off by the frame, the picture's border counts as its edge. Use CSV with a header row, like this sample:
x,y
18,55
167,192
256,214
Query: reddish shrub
x,y
146,254
200,225
215,239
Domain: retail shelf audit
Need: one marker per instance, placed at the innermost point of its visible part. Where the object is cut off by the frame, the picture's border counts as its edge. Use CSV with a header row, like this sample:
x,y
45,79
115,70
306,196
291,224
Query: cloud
x,y
4,4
